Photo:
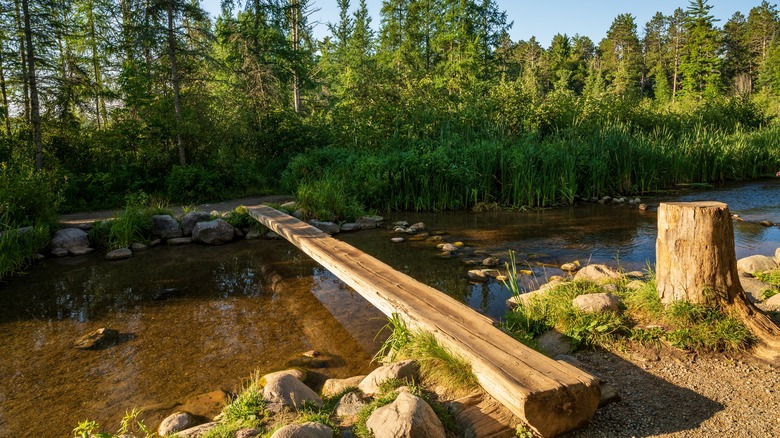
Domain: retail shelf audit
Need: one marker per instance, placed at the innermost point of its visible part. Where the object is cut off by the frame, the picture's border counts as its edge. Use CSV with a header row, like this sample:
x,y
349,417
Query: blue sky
x,y
544,19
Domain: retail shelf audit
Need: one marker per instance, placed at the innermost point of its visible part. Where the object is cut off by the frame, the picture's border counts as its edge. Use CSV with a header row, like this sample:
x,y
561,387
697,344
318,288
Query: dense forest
x,y
435,109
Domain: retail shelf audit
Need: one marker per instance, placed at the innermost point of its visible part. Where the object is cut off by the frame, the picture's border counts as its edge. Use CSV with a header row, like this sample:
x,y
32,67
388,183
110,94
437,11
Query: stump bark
x,y
696,262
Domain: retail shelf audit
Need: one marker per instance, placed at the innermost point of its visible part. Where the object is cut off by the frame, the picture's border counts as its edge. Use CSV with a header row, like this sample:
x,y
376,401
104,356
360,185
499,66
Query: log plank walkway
x,y
551,396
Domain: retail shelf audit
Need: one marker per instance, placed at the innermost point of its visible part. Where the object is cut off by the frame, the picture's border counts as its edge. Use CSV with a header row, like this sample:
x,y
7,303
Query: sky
x,y
545,18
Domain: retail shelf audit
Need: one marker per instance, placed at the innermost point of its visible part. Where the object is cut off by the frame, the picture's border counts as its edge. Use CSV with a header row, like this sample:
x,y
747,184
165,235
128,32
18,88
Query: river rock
x,y
191,219
407,417
773,302
336,386
305,430
286,392
69,238
524,298
777,256
416,228
248,432
597,273
477,275
592,303
175,422
119,254
214,232
137,247
96,339
327,227
756,263
207,405
298,374
253,234
450,248
350,226
767,223
569,267
642,207
405,369
349,405
490,262
165,227
753,287
398,240
197,431
608,395
82,250
370,222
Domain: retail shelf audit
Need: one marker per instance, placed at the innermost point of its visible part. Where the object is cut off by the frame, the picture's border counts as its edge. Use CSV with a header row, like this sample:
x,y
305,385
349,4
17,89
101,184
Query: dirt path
x,y
75,219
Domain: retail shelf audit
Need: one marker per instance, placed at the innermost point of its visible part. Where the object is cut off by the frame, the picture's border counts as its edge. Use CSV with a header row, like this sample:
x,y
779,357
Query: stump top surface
x,y
697,204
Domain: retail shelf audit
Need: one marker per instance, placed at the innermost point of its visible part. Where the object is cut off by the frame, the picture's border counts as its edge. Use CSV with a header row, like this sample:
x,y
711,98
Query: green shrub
x,y
17,249
193,183
28,197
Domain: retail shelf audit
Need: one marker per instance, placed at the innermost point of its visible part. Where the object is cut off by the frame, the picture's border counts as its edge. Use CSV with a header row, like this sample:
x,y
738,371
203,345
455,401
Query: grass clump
x,y
130,425
645,320
773,279
438,365
132,224
19,247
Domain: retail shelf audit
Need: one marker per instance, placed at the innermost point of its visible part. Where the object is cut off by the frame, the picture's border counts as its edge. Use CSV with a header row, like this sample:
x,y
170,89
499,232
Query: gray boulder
x,y
59,252
335,386
592,303
84,250
286,392
407,417
178,241
119,254
193,218
405,369
756,263
165,227
351,226
197,431
137,247
298,374
328,227
416,228
214,232
597,274
305,430
69,238
554,343
175,422
773,303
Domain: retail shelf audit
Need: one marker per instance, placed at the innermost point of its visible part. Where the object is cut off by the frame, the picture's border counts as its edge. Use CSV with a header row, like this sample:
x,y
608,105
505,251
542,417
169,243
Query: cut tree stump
x,y
550,396
696,262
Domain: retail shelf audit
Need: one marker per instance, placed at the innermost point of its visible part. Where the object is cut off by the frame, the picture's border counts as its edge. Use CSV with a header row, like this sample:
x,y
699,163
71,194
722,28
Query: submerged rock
x,y
119,254
370,222
350,226
490,262
207,405
177,241
569,267
477,275
398,240
416,228
99,338
84,250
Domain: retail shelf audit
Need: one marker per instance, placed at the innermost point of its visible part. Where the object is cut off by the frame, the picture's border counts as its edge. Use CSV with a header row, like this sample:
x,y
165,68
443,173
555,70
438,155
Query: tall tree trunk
x,y
295,22
676,66
100,107
35,116
4,90
175,83
696,262
23,58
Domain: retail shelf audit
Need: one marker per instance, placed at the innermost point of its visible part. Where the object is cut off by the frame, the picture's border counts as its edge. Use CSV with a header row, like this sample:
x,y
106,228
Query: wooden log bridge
x,y
550,396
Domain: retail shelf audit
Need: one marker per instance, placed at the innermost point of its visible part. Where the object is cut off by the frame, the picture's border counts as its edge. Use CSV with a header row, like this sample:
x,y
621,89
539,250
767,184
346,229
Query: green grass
x,y
773,279
17,250
644,320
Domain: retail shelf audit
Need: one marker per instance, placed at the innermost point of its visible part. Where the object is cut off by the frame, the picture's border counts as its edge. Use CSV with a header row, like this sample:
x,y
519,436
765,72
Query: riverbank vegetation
x,y
433,108
642,320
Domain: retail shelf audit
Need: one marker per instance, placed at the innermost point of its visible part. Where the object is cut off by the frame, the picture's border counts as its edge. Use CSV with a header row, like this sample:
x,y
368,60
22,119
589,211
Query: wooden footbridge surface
x,y
552,397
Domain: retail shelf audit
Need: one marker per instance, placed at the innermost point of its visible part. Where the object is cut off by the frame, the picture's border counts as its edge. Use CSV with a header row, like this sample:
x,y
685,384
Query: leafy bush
x,y
193,183
17,248
27,196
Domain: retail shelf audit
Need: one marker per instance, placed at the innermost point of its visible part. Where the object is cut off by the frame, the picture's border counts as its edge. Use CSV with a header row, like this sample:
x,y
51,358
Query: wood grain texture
x,y
550,396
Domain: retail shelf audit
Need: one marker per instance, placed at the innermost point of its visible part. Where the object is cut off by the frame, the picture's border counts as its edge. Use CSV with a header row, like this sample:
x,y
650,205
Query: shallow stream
x,y
194,319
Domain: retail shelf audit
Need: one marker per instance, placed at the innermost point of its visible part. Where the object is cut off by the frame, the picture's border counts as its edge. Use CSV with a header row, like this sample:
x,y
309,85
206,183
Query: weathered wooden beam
x,y
550,396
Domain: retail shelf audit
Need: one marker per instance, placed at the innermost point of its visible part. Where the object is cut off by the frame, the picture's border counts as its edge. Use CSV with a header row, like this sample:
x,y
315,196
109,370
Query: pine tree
x,y
700,64
621,56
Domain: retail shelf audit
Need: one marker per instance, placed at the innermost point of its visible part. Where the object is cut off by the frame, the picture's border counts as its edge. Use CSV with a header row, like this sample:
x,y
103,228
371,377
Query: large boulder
x,y
176,422
370,222
119,254
69,238
165,227
597,274
193,218
298,374
307,430
286,392
593,303
214,232
756,263
405,369
407,417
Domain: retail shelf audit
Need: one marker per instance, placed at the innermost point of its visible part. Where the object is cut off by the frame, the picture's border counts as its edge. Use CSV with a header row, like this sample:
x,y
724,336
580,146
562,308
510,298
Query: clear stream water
x,y
194,319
